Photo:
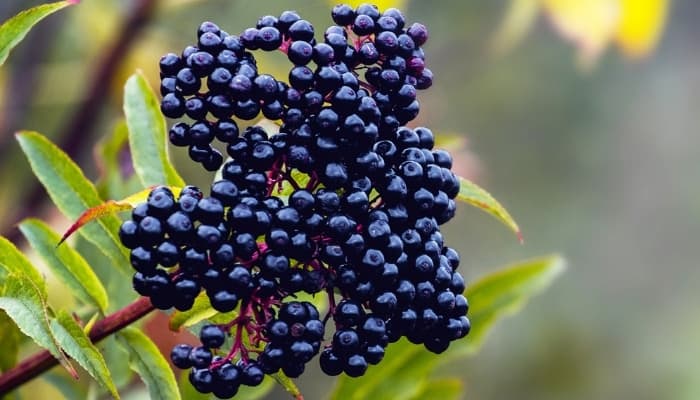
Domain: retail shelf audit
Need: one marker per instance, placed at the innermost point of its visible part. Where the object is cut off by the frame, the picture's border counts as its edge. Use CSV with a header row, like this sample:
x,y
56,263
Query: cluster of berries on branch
x,y
343,201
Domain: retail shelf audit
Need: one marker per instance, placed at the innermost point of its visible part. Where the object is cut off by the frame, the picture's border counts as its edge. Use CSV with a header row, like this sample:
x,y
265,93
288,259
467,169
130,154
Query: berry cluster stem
x,y
43,361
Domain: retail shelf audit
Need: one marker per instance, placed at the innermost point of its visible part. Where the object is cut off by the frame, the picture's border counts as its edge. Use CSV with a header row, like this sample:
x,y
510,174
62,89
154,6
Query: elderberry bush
x,y
345,201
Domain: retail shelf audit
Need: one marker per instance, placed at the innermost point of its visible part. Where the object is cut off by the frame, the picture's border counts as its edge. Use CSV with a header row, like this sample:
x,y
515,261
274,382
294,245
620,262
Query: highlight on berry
x,y
344,200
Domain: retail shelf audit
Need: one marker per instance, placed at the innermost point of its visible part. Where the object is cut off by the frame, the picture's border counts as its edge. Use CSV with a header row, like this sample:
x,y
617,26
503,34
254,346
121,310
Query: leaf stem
x,y
42,362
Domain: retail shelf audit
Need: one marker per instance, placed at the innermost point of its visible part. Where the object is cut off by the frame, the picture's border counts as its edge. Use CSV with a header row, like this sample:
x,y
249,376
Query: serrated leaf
x,y
67,386
288,385
16,28
12,261
146,360
443,389
23,302
118,360
72,193
471,193
73,340
10,338
200,311
147,135
68,265
503,293
108,208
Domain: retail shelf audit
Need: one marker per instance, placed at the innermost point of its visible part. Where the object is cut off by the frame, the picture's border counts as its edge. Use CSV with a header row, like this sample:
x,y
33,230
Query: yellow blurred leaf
x,y
471,193
109,207
641,26
517,22
450,141
589,24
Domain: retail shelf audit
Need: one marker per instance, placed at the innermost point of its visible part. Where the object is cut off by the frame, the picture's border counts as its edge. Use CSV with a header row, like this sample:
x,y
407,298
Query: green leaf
x,y
504,293
10,339
66,385
147,361
110,163
77,345
187,391
402,374
68,265
288,385
256,392
471,193
147,135
73,193
118,360
12,261
23,302
16,28
443,389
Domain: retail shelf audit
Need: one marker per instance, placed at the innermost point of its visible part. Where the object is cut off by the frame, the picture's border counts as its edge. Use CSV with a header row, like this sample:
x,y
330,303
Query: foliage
x,y
15,29
408,372
634,26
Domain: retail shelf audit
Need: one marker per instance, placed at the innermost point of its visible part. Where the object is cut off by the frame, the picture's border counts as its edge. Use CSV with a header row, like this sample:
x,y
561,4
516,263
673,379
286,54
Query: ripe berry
x,y
172,105
180,356
361,199
331,364
355,366
212,336
301,30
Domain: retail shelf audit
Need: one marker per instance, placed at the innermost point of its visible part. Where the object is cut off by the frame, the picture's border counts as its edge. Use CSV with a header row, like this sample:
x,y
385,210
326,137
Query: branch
x,y
42,362
80,124
72,136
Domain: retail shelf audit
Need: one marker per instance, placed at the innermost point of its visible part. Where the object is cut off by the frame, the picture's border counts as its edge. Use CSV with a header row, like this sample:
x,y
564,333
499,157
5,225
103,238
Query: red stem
x,y
331,303
43,361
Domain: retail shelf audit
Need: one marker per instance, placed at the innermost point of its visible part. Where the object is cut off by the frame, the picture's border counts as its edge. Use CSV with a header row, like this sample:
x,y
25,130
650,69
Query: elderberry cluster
x,y
343,201
213,374
294,339
218,79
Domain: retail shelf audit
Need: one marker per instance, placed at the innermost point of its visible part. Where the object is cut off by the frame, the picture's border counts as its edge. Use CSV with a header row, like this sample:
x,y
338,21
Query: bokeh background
x,y
594,148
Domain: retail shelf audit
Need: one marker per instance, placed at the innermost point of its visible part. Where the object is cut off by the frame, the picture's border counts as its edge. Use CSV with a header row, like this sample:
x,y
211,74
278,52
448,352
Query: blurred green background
x,y
598,160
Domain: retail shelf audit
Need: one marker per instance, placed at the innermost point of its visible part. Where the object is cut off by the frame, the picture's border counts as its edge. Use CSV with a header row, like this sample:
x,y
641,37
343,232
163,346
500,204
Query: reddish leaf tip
x,y
65,236
73,2
521,239
71,370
